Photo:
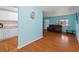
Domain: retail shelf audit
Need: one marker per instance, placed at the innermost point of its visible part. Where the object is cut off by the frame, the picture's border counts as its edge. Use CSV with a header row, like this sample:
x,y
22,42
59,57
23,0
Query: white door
x,y
46,24
77,32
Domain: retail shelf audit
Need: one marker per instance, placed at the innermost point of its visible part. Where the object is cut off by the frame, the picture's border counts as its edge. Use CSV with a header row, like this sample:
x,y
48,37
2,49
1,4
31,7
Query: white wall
x,y
9,17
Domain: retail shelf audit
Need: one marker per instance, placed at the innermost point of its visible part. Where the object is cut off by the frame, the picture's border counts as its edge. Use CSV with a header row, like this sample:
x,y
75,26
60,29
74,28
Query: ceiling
x,y
49,10
58,10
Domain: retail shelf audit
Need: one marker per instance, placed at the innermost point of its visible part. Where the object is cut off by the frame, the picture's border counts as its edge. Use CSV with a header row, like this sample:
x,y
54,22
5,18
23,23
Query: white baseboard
x,y
29,42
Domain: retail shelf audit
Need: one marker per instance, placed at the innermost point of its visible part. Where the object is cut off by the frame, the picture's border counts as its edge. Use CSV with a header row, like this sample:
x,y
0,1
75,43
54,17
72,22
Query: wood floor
x,y
8,44
53,42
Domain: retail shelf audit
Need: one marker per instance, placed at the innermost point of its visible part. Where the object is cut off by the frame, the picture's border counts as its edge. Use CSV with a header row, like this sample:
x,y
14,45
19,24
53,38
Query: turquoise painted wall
x,y
71,19
78,17
29,29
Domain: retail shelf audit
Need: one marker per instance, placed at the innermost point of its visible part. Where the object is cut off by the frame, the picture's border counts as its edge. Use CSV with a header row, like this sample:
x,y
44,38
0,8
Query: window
x,y
63,22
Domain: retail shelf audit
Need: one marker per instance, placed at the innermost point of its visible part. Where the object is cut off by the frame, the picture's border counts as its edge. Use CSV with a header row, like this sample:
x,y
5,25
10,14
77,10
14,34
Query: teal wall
x,y
72,22
71,19
78,17
29,29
